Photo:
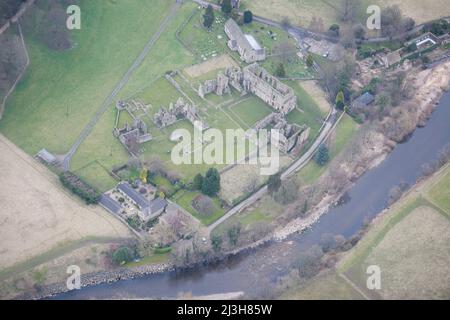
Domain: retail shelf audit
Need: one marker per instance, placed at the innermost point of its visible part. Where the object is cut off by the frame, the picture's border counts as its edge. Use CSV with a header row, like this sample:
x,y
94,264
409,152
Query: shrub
x,y
322,156
248,16
122,255
162,250
79,187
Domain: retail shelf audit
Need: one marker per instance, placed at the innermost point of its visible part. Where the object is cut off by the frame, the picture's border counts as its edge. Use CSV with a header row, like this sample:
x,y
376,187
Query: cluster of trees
x,y
336,78
122,255
12,61
208,184
79,187
394,23
47,20
8,8
438,27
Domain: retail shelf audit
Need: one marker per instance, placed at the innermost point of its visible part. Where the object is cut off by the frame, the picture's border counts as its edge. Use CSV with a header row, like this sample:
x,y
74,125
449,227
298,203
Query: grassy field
x,y
302,12
440,193
410,243
345,130
148,84
62,90
43,219
326,286
299,12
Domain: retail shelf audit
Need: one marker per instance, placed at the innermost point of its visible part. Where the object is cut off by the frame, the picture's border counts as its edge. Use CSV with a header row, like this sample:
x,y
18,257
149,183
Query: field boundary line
x,y
353,285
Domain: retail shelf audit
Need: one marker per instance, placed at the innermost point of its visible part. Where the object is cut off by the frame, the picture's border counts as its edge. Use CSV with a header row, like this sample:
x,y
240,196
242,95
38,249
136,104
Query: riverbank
x,y
428,86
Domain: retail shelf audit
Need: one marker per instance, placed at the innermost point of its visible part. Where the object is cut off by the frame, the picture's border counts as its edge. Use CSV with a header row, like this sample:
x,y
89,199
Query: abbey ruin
x,y
256,80
180,110
132,135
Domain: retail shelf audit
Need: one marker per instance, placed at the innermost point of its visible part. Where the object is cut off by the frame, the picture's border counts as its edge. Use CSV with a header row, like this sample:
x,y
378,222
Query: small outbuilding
x,y
47,157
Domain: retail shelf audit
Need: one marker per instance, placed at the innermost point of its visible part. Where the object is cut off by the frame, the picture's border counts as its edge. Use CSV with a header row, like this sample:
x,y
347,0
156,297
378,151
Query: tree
x,y
143,176
327,242
211,182
233,234
359,32
280,71
287,193
340,100
308,263
226,7
216,242
204,205
198,182
208,17
274,183
334,30
122,255
309,61
248,16
322,156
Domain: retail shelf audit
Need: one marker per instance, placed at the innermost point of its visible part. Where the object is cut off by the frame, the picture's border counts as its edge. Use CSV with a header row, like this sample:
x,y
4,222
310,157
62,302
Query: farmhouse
x,y
245,44
148,209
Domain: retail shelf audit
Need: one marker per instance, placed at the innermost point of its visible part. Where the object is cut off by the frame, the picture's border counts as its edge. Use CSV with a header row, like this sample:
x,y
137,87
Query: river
x,y
249,272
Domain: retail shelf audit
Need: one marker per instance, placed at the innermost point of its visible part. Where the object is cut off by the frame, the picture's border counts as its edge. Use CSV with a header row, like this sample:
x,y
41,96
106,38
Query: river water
x,y
250,271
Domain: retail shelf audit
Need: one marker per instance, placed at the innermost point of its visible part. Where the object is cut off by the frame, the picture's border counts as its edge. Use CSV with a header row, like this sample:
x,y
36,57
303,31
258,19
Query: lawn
x,y
61,91
250,111
151,259
184,198
308,111
345,131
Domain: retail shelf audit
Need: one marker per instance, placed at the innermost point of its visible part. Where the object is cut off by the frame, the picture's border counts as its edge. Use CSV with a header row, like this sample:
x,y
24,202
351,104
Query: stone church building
x,y
245,44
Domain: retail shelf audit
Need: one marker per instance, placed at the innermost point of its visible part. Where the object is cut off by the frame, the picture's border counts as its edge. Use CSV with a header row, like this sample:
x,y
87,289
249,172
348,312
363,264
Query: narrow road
x,y
88,128
327,128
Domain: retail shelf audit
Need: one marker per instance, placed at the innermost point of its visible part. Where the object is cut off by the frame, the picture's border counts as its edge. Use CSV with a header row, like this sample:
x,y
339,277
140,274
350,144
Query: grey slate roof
x,y
47,156
364,99
239,36
140,200
110,204
157,204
